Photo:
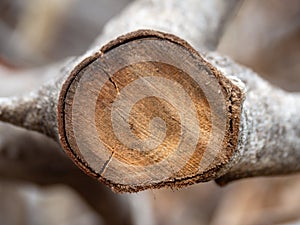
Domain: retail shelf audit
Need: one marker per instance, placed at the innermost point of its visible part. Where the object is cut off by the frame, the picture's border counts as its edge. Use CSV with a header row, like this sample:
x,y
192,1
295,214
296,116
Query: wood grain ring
x,y
148,111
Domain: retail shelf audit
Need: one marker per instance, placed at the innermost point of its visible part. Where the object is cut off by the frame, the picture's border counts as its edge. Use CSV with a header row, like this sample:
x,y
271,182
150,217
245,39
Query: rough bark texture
x,y
269,132
36,110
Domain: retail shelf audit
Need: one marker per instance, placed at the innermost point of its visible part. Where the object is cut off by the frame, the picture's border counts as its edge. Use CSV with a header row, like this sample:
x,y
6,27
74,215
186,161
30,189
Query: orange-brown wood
x,y
147,111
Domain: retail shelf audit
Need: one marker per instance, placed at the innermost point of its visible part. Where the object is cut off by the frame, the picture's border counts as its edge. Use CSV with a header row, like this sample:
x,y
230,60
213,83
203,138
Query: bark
x,y
268,137
269,133
200,23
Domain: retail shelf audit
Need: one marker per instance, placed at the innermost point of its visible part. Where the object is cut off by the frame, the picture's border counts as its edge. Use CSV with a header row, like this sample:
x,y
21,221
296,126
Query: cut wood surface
x,y
148,111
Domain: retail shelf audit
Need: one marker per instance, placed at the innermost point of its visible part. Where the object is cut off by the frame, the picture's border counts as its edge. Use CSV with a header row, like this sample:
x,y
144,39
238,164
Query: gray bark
x,y
269,142
269,133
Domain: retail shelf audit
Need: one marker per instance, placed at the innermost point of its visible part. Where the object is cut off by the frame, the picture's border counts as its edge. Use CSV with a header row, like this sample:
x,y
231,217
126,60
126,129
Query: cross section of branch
x,y
246,128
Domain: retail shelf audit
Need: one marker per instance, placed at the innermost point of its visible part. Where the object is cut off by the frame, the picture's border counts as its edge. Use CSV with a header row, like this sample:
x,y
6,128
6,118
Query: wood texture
x,y
147,111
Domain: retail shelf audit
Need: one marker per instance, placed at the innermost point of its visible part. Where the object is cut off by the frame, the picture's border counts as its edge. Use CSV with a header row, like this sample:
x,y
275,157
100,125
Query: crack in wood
x,y
103,169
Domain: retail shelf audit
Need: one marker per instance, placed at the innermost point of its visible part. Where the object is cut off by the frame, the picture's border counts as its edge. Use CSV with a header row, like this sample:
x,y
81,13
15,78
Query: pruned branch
x,y
147,110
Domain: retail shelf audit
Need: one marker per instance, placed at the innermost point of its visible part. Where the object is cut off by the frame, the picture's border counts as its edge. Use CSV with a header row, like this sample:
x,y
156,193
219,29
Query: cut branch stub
x,y
147,111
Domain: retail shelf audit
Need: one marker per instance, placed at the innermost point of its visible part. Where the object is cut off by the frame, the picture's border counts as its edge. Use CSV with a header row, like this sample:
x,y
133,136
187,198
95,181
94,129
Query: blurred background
x,y
263,35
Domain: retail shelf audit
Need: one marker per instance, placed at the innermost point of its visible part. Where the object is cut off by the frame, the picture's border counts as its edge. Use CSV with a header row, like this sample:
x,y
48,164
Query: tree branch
x,y
200,23
244,129
269,142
